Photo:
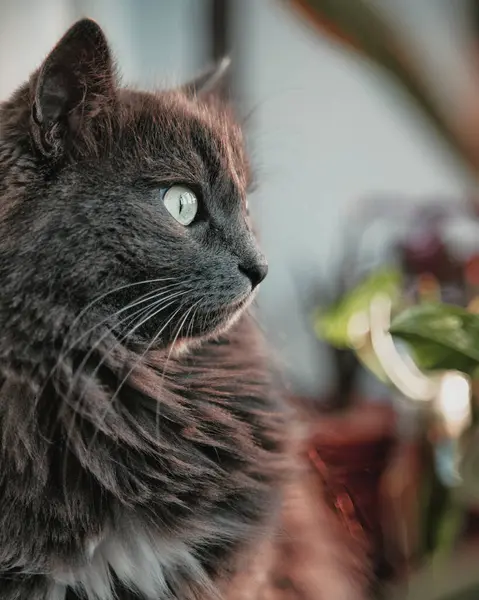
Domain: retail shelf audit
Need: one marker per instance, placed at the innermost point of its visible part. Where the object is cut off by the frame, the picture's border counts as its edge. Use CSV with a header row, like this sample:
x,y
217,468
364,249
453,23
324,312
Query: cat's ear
x,y
74,83
211,82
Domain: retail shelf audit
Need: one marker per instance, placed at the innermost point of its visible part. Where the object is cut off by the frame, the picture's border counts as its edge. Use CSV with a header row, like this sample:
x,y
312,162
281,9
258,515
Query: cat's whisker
x,y
153,309
133,367
114,291
189,329
193,319
194,308
143,311
60,362
151,312
149,346
157,415
64,352
145,298
145,315
75,413
148,318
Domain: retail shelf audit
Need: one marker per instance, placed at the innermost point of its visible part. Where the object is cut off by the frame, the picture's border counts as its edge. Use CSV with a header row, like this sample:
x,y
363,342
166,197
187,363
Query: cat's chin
x,y
232,315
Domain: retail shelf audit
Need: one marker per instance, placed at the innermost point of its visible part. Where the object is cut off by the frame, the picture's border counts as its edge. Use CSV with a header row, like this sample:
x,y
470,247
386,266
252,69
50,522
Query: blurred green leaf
x,y
441,336
458,579
449,529
469,470
332,325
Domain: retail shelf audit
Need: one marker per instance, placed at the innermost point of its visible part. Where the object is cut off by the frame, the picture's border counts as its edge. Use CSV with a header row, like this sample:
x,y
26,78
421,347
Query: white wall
x,y
152,40
27,31
156,42
326,131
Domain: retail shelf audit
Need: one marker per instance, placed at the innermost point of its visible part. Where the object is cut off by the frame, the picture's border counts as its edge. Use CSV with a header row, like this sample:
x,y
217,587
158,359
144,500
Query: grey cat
x,y
141,439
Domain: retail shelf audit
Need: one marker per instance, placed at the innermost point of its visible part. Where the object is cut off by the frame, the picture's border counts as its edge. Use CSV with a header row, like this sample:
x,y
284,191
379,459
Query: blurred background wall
x,y
325,129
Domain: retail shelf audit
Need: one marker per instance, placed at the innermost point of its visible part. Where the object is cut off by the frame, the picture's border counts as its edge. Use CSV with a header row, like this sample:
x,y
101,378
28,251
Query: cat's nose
x,y
255,272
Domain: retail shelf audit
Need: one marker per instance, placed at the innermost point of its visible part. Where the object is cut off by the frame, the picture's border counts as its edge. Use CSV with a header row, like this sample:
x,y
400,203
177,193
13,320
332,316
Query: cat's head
x,y
114,201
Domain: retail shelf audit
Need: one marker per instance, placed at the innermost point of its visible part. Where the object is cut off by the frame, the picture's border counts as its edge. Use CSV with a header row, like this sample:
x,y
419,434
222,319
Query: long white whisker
x,y
152,313
153,341
132,368
95,301
115,290
155,309
191,326
142,299
64,352
141,311
188,312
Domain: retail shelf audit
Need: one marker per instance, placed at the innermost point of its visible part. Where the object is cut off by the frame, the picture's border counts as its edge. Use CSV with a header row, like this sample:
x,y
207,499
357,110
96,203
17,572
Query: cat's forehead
x,y
173,123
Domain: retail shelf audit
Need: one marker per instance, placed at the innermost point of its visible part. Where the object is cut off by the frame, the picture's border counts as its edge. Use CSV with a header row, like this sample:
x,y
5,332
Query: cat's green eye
x,y
181,203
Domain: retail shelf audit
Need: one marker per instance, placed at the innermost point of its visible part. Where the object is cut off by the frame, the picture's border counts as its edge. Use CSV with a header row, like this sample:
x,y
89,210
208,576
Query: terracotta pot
x,y
351,452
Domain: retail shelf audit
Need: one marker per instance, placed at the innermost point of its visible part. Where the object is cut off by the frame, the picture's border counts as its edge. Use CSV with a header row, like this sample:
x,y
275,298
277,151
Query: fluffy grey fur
x,y
128,469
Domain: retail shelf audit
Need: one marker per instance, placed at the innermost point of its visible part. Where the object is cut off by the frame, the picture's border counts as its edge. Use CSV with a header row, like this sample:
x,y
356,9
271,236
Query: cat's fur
x,y
127,469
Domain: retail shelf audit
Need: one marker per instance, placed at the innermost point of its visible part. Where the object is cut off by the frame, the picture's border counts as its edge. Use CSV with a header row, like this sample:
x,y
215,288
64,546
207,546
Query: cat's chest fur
x,y
167,510
134,558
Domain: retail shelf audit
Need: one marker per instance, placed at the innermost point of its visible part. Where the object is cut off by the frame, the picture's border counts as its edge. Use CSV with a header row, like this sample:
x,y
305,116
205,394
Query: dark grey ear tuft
x,y
72,84
211,81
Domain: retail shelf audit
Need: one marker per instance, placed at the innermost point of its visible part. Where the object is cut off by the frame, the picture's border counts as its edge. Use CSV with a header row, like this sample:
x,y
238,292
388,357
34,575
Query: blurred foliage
x,y
441,336
333,324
